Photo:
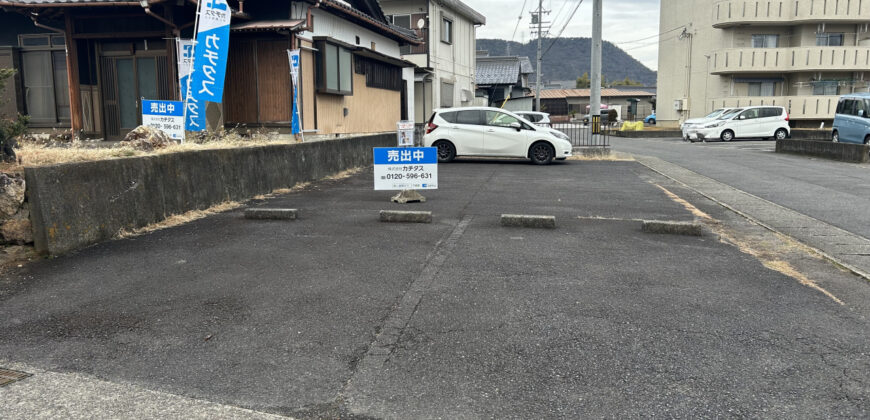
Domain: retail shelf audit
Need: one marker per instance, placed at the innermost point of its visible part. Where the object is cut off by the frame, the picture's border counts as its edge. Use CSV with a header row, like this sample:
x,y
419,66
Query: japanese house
x,y
85,64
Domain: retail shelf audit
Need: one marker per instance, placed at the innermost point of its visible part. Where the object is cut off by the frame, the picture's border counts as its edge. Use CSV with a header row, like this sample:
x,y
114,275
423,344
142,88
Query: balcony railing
x,y
799,107
781,60
728,13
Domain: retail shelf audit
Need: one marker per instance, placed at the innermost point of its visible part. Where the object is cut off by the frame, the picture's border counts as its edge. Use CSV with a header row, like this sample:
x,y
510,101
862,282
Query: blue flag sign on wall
x,y
210,60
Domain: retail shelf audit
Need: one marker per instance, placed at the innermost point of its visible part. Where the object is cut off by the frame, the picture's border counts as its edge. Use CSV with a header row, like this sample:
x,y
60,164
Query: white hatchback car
x,y
691,126
752,121
539,118
493,132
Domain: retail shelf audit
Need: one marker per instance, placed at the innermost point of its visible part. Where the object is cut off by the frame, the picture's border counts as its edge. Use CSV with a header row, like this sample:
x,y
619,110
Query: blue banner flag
x,y
210,60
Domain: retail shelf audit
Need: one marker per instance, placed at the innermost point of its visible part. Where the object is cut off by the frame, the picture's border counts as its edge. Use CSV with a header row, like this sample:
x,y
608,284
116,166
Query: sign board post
x,y
166,116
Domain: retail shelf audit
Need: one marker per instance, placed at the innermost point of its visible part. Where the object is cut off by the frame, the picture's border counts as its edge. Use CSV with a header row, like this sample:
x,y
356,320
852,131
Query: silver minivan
x,y
852,122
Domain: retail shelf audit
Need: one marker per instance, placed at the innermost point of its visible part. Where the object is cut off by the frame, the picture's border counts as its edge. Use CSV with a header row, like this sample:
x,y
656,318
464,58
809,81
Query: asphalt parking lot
x,y
338,315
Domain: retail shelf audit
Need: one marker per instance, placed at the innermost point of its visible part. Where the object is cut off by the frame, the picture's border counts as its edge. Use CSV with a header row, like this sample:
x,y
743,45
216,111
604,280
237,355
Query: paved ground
x,y
834,192
337,315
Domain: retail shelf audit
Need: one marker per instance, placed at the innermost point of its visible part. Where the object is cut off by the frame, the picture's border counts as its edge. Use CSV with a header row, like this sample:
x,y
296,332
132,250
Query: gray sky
x,y
624,20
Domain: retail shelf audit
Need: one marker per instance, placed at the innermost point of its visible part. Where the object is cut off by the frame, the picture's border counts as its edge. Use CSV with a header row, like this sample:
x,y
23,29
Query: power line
x,y
650,37
577,7
522,11
559,13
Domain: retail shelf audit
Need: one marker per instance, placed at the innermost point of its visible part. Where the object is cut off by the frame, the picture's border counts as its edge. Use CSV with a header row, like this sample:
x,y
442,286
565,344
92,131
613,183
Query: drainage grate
x,y
8,376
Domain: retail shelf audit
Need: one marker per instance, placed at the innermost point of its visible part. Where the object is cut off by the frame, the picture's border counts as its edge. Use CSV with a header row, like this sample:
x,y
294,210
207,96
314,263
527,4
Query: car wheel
x,y
541,153
446,151
780,134
727,135
652,122
835,137
867,140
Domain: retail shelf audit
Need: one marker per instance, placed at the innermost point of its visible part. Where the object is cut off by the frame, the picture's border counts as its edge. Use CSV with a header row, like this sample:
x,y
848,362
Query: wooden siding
x,y
370,110
306,97
240,94
273,73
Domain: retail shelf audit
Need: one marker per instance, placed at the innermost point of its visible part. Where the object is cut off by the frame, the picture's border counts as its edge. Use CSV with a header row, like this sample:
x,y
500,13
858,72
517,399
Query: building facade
x,y
85,65
445,62
799,54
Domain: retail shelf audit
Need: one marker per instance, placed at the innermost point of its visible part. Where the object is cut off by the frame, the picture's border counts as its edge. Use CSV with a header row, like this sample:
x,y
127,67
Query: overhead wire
x,y
573,12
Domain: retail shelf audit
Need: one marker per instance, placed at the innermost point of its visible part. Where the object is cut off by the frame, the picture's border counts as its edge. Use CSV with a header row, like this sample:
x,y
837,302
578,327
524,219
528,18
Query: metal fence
x,y
581,134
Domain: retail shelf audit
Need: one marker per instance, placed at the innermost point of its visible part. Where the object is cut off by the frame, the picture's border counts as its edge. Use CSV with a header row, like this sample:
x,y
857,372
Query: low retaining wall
x,y
846,152
651,134
77,204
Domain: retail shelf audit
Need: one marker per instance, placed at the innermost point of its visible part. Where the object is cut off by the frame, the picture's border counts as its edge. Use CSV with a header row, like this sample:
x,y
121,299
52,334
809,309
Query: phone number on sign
x,y
408,176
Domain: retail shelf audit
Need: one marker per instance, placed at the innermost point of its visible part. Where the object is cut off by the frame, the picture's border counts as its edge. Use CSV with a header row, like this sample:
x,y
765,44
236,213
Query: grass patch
x,y
179,219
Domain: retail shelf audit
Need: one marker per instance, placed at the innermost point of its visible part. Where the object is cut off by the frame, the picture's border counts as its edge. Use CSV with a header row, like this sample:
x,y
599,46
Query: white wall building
x,y
446,61
800,54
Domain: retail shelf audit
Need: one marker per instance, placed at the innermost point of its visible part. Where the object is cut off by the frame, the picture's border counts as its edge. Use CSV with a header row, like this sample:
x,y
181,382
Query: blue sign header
x,y
405,155
163,108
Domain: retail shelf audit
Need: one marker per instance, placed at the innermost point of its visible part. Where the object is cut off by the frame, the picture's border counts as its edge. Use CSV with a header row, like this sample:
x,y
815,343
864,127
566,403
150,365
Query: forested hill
x,y
569,58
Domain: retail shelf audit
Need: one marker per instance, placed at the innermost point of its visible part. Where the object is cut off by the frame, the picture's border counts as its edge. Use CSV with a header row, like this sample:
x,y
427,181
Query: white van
x,y
751,122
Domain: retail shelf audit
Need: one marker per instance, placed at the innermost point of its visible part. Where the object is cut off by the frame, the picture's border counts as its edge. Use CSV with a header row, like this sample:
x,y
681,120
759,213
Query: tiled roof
x,y
584,93
501,70
266,25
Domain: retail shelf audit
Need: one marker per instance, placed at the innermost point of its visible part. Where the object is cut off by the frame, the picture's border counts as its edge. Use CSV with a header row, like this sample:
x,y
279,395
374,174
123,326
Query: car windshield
x,y
715,113
730,114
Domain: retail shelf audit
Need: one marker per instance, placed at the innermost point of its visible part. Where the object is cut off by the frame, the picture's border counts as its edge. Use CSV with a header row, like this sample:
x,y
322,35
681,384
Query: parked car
x,y
539,118
852,121
754,121
650,119
691,126
481,131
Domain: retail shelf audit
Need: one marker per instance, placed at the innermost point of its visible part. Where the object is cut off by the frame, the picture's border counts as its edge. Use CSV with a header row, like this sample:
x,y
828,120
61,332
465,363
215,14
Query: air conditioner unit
x,y
466,95
678,104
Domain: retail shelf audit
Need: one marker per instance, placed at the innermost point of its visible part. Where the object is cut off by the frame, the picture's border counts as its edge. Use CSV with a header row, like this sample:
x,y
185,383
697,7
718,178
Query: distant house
x,y
637,102
445,62
504,82
122,51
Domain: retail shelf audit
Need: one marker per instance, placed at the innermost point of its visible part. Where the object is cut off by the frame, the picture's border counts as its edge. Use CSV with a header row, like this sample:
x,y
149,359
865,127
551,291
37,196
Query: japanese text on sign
x,y
167,116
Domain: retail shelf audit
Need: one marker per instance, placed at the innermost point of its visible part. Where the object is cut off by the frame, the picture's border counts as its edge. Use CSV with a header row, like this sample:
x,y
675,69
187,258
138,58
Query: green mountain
x,y
569,58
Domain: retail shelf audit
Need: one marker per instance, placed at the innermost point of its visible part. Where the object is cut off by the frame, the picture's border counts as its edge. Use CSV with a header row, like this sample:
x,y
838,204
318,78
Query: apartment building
x,y
446,60
800,54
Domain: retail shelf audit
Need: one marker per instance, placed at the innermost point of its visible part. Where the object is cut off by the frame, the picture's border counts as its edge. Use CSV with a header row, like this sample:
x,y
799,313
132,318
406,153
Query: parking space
x,y
338,315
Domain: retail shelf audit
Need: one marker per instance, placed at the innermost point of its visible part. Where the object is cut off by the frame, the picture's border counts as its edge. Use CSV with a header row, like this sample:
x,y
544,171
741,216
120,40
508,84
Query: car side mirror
x,y
861,113
516,125
742,117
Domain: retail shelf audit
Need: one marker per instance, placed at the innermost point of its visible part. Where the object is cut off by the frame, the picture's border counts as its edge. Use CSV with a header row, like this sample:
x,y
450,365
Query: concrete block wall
x,y
77,204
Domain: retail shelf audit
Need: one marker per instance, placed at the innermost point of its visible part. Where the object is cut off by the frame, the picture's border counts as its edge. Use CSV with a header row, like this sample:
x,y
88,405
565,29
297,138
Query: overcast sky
x,y
624,20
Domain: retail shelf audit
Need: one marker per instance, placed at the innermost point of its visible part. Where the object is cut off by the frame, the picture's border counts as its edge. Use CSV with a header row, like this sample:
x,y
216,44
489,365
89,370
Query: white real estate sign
x,y
406,168
166,116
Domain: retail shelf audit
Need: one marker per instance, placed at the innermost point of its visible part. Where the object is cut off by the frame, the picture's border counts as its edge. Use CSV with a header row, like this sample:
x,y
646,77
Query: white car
x,y
691,126
480,131
539,118
753,121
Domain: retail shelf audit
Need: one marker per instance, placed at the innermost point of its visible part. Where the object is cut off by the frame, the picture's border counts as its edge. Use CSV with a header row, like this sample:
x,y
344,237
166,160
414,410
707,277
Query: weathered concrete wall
x,y
847,152
648,134
77,204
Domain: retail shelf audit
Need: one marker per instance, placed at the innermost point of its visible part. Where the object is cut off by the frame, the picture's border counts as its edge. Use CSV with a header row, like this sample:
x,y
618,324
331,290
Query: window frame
x,y
826,36
321,84
52,49
765,38
447,35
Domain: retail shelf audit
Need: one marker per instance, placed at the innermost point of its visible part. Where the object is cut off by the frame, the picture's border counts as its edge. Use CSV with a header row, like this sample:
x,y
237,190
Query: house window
x,y
765,41
43,73
446,30
826,88
402,21
379,75
826,39
335,68
762,89
446,95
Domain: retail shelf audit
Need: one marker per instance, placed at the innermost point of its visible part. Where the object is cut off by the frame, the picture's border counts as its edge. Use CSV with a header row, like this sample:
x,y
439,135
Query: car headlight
x,y
715,124
561,135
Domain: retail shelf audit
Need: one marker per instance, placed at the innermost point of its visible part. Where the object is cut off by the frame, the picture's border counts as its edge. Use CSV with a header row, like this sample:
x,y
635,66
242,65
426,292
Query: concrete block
x,y
271,214
528,221
846,152
396,216
674,228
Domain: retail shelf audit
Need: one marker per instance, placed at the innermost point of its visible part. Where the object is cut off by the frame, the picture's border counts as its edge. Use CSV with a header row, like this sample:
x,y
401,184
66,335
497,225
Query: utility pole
x,y
538,20
595,79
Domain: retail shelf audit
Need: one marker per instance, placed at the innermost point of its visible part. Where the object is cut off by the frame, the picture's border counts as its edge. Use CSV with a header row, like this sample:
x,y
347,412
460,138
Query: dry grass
x,y
179,219
768,251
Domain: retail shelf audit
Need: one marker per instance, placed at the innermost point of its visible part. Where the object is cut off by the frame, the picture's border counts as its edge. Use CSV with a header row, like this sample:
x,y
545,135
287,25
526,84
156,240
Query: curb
x,y
673,228
271,214
397,216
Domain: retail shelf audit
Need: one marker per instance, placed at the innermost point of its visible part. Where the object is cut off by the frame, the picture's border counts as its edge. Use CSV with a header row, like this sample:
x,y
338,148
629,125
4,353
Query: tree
x,y
10,128
627,82
583,81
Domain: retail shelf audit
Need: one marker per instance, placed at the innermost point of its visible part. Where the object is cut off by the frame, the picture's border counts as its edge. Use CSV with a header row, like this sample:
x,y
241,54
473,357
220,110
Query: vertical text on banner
x,y
210,60
184,48
295,126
